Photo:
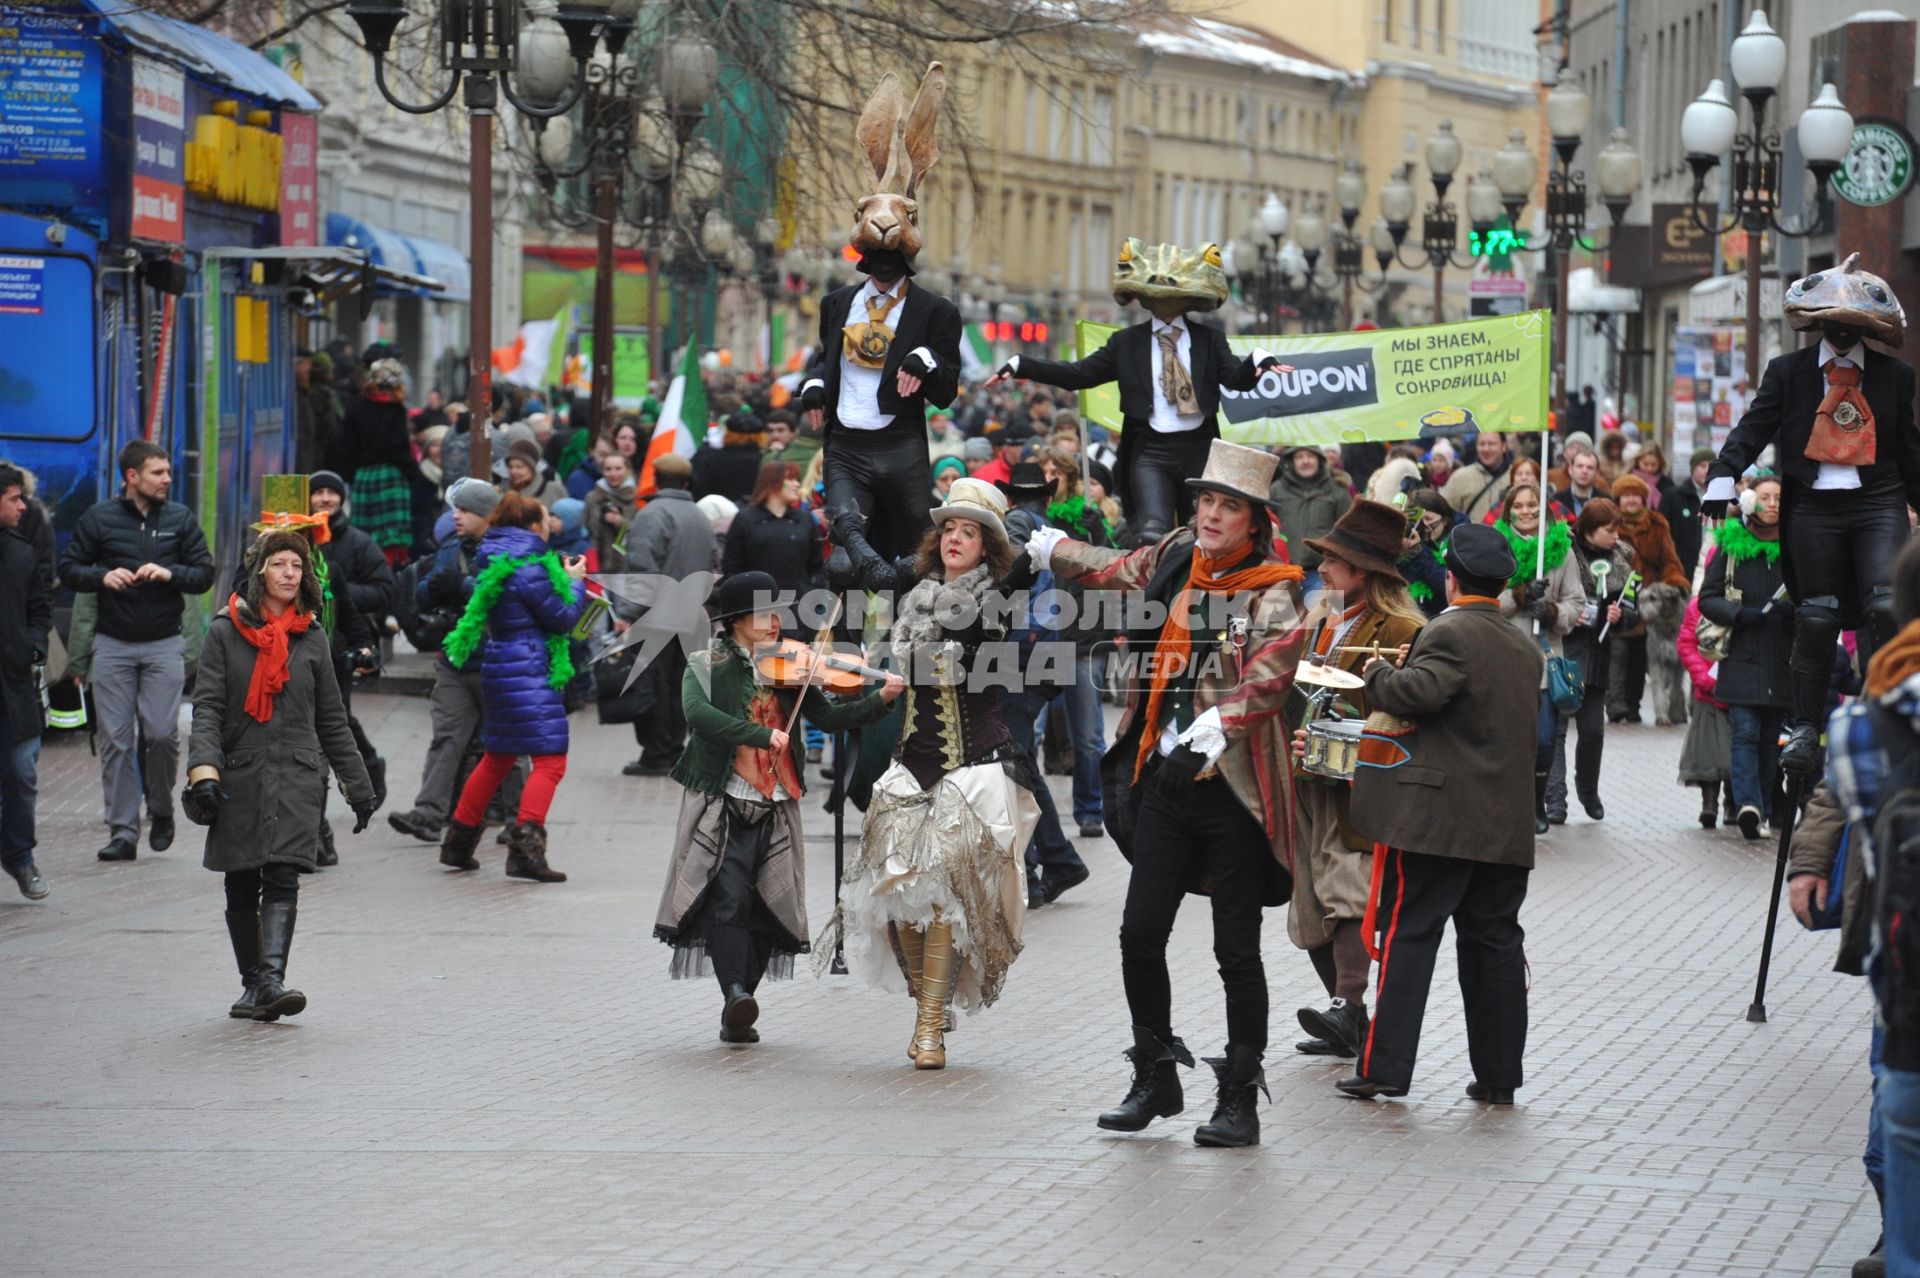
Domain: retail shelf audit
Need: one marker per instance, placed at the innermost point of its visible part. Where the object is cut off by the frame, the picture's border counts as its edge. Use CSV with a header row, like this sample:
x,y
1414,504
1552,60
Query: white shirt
x,y
859,407
1165,417
1832,476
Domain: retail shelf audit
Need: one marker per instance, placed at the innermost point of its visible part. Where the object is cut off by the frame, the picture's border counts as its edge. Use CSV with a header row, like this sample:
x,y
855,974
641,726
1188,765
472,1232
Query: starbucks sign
x,y
1878,166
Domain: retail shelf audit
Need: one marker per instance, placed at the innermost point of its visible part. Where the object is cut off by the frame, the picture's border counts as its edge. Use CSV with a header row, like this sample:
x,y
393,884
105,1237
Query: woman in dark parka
x,y
267,724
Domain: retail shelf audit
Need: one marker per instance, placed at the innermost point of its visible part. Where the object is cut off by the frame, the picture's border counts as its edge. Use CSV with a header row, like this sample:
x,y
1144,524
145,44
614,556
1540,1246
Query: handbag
x,y
617,702
1714,640
1566,687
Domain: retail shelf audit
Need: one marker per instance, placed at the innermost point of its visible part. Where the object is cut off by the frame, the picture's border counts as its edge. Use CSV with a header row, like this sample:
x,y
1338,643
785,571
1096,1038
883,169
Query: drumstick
x,y
1375,650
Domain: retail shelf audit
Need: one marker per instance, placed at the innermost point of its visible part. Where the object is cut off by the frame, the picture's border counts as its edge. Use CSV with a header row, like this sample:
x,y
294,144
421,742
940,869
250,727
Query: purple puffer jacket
x,y
524,715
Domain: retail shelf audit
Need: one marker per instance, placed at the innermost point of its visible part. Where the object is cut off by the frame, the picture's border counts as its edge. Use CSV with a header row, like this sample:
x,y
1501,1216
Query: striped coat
x,y
1249,686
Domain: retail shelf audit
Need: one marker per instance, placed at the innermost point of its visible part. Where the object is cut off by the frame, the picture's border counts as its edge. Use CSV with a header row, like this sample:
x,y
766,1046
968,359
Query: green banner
x,y
1443,380
630,366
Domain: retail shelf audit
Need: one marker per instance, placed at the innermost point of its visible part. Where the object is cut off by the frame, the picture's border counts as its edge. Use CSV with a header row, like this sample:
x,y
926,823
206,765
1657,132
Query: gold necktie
x,y
868,342
1175,383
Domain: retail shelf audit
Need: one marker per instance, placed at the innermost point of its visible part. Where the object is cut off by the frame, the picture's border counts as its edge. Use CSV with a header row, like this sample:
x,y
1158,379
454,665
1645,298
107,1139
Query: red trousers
x,y
535,797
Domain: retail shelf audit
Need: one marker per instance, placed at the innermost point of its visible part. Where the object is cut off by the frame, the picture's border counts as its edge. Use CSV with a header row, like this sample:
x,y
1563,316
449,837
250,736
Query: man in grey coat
x,y
669,537
1455,813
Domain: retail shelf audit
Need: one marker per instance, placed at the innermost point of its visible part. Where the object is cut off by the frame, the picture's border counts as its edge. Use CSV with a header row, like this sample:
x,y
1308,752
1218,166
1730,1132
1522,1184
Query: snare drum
x,y
1333,748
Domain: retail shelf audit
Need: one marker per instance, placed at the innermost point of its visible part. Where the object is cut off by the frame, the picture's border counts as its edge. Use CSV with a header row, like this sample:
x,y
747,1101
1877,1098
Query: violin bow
x,y
821,637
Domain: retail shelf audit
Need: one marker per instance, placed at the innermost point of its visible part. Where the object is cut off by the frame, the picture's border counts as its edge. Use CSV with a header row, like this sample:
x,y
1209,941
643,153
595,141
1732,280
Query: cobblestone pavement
x,y
497,1077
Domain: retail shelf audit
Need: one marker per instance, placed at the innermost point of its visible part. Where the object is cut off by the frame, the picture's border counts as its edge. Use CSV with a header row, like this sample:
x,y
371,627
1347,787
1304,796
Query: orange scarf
x,y
272,643
1171,650
1897,659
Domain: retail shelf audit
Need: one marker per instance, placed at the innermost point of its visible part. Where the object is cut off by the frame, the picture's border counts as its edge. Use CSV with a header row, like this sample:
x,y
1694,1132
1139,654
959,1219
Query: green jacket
x,y
717,722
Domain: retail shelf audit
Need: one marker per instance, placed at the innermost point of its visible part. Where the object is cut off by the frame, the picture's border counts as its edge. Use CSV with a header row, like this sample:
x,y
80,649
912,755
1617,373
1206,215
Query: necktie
x,y
1843,432
1175,384
868,342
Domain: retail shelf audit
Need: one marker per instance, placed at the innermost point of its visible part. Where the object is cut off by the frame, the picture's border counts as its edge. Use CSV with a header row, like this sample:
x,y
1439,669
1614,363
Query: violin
x,y
792,664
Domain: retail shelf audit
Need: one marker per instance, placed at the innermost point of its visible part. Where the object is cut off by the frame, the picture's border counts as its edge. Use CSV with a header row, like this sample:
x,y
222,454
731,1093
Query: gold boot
x,y
910,944
936,988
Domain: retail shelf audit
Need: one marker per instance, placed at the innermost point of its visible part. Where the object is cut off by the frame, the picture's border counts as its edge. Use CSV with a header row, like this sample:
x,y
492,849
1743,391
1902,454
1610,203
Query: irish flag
x,y
683,418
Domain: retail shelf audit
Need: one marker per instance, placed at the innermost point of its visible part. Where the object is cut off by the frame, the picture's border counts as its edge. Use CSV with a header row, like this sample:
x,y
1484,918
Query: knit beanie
x,y
327,479
475,496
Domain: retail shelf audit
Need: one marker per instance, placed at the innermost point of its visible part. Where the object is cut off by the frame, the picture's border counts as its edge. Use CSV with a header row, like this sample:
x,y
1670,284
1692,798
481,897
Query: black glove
x,y
1781,608
201,801
813,395
362,814
917,364
1714,509
1182,765
1536,591
840,572
1271,361
1008,370
1749,617
845,525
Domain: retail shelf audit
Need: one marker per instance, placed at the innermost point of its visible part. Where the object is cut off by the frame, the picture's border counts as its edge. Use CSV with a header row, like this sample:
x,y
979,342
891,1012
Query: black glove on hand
x,y
1536,591
201,801
845,525
1714,509
813,395
362,814
917,364
1749,617
1183,765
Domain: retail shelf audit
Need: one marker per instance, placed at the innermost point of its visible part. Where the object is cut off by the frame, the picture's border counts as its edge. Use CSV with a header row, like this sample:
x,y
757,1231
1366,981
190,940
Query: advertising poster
x,y
1709,386
50,126
299,176
159,129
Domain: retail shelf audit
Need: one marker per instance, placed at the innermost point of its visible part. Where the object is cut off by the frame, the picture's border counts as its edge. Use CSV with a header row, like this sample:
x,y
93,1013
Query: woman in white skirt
x,y
936,894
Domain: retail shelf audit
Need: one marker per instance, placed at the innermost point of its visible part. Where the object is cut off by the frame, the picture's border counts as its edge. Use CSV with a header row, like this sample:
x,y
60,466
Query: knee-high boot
x,y
911,944
1540,824
273,999
243,930
1709,804
936,990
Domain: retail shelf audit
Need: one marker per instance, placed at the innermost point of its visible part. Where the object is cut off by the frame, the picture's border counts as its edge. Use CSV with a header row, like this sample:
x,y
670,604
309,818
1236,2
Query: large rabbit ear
x,y
922,150
877,124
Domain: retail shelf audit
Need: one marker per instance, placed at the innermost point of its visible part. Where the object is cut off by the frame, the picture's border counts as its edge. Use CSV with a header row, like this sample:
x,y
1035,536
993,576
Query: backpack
x,y
1893,967
425,628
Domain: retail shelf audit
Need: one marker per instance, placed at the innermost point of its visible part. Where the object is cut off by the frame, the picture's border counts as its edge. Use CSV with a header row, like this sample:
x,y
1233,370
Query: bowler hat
x,y
1369,536
1482,552
736,595
1238,471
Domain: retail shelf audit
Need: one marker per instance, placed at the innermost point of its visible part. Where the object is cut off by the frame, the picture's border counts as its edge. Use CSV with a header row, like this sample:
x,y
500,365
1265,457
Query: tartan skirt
x,y
383,505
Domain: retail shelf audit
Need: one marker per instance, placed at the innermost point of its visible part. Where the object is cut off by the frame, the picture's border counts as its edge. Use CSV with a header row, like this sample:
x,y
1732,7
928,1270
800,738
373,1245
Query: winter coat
x,y
1656,560
600,499
1680,507
274,773
731,471
1700,671
1426,579
1755,671
24,623
671,536
114,534
1473,490
362,584
524,713
786,547
1567,600
1307,508
374,432
1816,842
1594,659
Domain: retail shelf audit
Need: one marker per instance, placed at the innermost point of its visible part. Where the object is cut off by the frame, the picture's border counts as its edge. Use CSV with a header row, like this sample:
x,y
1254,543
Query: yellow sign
x,y
234,163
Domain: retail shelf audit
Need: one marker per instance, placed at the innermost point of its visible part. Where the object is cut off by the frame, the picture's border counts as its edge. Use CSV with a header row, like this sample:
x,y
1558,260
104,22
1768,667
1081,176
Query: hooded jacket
x,y
1307,508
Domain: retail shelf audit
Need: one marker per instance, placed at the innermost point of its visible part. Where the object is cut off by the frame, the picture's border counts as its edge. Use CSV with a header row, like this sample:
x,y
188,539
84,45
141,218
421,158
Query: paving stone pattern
x,y
497,1077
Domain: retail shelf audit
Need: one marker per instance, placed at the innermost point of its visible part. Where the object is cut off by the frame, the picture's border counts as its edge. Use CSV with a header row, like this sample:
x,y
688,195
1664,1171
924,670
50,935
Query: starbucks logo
x,y
1878,166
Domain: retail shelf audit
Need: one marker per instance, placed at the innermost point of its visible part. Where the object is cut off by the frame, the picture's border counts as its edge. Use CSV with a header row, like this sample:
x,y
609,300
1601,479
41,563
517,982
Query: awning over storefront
x,y
407,254
203,53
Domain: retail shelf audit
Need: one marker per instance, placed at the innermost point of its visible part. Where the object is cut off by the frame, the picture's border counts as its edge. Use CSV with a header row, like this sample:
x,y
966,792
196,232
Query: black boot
x,y
1709,804
1343,1024
377,773
243,929
1816,627
738,1015
326,857
1236,1114
1540,802
273,999
1156,1087
457,845
1800,756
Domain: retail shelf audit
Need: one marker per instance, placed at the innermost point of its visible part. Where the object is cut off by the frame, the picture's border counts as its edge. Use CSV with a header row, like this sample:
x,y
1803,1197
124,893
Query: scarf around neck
x,y
272,643
1896,662
1526,549
1739,542
1170,652
919,617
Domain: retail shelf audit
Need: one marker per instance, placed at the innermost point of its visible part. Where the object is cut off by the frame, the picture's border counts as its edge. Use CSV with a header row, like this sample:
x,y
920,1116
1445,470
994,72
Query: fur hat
x,y
1632,483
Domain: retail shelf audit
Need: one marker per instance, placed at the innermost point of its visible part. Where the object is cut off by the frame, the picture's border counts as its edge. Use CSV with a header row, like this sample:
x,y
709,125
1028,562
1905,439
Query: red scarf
x,y
1171,650
271,640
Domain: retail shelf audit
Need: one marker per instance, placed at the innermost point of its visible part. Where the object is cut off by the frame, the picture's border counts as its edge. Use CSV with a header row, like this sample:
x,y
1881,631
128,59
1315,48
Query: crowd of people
x,y
1471,602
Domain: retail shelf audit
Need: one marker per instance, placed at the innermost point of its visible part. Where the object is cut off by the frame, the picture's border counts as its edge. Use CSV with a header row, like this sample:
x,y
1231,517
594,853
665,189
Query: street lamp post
x,y
1440,225
1708,130
482,45
1349,252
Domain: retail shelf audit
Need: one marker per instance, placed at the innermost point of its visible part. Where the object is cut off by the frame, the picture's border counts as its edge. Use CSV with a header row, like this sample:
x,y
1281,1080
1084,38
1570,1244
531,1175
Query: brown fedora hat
x,y
1370,536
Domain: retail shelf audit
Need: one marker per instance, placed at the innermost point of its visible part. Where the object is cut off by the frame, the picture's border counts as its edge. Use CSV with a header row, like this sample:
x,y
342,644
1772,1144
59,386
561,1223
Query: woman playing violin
x,y
736,902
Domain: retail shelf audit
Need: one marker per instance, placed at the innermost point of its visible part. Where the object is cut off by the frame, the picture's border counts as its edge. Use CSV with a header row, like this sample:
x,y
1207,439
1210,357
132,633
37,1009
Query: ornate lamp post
x,y
482,45
1708,130
1440,225
1349,252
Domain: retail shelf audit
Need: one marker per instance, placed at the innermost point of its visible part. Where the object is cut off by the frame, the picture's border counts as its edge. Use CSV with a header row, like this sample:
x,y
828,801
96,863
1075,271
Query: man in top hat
x,y
1455,818
1053,863
1364,605
1196,787
1840,419
1170,370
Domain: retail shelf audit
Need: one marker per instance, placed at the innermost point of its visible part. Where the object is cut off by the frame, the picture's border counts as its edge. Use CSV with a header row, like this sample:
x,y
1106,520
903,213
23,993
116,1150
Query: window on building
x,y
1056,121
1101,150
1439,25
1033,118
1100,251
1386,21
1178,213
1413,23
1078,125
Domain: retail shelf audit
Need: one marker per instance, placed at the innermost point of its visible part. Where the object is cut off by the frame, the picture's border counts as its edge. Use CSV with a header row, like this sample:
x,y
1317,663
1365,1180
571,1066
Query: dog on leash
x,y
1664,607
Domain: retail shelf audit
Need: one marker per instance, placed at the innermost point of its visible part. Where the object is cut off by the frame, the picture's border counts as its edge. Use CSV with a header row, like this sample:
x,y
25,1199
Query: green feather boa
x,y
487,589
1071,514
1526,552
1737,543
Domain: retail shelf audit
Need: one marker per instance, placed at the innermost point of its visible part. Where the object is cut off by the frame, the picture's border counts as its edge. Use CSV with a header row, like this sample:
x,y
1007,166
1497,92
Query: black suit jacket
x,y
924,318
1782,414
1127,358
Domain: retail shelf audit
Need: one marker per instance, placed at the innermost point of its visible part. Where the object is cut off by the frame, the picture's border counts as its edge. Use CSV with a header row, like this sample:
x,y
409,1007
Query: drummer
x,y
1364,609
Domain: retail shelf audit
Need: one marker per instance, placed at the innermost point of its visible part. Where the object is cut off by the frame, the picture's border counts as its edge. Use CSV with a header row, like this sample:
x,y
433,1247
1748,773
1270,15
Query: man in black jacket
x,y
1840,418
27,587
1170,371
361,581
141,552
